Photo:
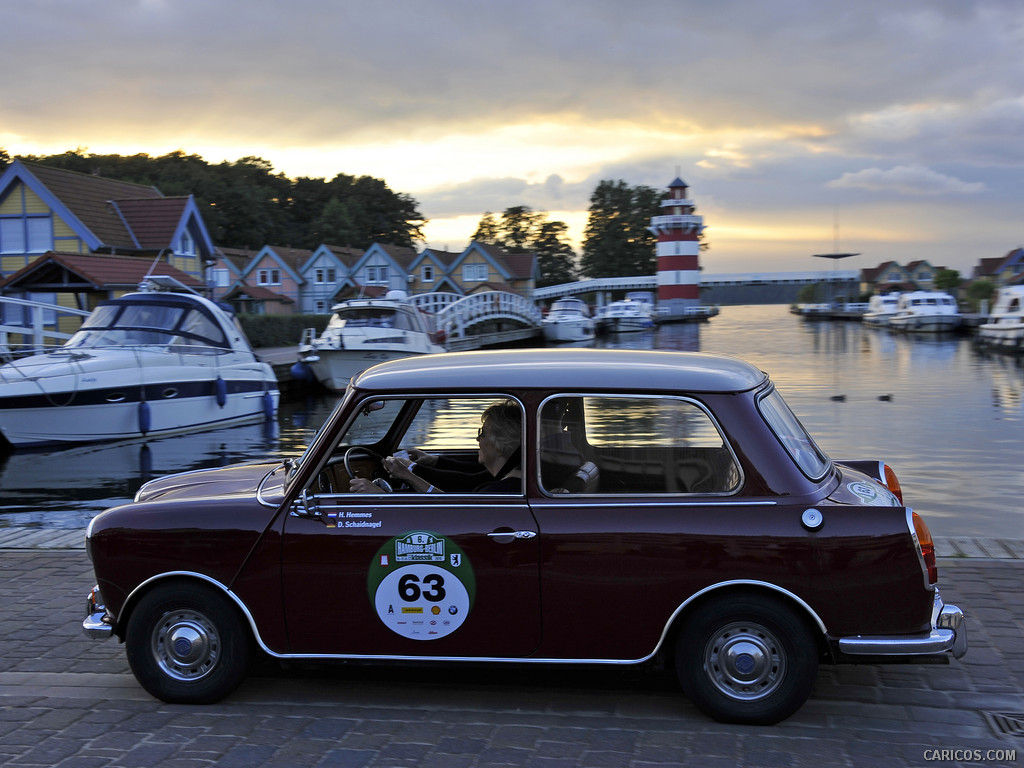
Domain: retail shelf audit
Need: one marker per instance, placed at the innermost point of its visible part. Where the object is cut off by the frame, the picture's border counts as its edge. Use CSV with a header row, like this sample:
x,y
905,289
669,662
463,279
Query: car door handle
x,y
512,534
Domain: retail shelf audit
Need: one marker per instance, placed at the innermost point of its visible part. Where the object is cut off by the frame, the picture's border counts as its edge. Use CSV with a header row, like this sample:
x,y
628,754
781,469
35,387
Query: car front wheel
x,y
747,660
187,644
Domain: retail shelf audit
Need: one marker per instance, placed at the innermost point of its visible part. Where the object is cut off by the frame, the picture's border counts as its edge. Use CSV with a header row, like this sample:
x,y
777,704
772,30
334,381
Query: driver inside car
x,y
499,456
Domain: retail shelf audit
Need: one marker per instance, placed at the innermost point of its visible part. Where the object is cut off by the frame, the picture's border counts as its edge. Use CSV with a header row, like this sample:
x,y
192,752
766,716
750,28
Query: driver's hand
x,y
362,485
398,468
422,457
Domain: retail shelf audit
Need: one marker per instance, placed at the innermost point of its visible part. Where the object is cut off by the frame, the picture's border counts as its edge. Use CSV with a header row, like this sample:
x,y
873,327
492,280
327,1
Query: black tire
x,y
187,644
747,660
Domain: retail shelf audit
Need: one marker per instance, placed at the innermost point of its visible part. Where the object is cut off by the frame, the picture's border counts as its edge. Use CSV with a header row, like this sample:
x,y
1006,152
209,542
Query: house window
x,y
324,275
427,273
894,277
188,245
31,234
925,276
377,274
268,277
474,273
320,307
218,277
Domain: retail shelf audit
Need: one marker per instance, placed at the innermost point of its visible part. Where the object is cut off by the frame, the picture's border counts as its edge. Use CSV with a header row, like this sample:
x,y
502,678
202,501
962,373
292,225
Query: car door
x,y
413,575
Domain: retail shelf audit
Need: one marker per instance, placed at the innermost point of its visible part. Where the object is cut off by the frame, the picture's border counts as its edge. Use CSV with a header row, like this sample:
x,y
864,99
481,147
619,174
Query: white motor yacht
x,y
925,312
568,320
627,315
364,332
1005,328
880,309
149,363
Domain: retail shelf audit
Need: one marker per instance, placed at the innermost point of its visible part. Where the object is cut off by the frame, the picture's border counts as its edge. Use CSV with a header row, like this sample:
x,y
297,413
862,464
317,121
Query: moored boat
x,y
634,313
925,312
364,332
148,363
1005,328
568,320
880,309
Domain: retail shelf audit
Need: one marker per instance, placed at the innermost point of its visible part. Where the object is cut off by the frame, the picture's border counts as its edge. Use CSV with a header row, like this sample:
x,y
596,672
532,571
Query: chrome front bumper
x,y
96,624
948,635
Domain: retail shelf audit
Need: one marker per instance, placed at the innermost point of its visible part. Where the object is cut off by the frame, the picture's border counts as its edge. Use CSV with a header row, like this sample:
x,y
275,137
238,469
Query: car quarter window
x,y
627,445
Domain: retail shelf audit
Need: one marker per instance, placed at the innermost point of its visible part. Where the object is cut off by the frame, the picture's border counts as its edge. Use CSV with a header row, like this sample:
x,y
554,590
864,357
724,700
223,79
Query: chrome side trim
x,y
487,659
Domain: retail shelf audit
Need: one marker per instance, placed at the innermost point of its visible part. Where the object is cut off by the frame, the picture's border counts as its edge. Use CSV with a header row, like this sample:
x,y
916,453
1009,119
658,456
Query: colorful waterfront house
x,y
887,277
1002,270
276,270
922,274
488,267
45,209
226,271
430,272
385,266
326,274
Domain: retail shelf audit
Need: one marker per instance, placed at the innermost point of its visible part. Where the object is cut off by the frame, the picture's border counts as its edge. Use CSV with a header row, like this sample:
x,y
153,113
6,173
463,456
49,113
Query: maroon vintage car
x,y
627,507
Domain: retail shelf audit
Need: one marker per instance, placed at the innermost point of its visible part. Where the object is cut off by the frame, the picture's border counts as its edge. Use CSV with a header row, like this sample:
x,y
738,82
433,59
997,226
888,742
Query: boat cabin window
x,y
633,445
372,317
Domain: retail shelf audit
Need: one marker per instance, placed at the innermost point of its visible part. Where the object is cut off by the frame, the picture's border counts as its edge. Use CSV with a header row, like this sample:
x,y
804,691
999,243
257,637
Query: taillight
x,y
924,539
891,482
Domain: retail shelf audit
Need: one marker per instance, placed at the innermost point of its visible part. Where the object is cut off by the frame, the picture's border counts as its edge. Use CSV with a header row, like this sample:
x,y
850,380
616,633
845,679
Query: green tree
x,y
978,291
5,159
523,230
487,230
246,204
556,260
947,280
616,241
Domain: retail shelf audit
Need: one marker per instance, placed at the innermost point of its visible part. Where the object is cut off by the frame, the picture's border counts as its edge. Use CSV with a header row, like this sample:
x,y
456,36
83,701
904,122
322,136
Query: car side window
x,y
631,445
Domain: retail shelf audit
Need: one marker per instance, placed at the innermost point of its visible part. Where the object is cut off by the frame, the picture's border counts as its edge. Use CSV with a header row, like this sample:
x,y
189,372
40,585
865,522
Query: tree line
x,y
245,204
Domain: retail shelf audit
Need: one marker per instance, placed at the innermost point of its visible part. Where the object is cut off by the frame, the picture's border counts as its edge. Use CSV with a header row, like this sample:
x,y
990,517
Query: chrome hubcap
x,y
745,661
186,645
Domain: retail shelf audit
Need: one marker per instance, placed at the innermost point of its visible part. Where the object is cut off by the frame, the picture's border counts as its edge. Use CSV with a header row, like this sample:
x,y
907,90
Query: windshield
x,y
371,317
149,324
791,433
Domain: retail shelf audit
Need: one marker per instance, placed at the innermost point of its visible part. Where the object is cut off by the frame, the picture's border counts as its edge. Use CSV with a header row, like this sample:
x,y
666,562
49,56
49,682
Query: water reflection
x,y
943,413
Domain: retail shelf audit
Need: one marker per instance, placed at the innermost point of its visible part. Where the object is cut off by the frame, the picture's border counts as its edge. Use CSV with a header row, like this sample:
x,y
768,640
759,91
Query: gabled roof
x,y
153,222
442,258
401,255
237,258
84,201
871,274
55,271
257,292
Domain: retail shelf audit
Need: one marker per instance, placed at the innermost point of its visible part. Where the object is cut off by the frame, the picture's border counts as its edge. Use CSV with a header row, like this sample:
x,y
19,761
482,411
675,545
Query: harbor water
x,y
948,417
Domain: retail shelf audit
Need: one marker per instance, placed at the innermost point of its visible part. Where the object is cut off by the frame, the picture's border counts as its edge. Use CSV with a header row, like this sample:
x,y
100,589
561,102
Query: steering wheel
x,y
378,471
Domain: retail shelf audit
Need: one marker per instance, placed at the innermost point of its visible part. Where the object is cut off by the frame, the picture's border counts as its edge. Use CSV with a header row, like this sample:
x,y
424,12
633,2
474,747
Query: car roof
x,y
565,369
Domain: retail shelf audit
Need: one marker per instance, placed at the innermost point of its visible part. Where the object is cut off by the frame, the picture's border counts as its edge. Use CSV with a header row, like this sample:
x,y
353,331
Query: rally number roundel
x,y
421,586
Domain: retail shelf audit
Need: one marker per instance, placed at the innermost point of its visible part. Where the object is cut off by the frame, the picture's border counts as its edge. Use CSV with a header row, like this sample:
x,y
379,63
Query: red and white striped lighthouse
x,y
678,230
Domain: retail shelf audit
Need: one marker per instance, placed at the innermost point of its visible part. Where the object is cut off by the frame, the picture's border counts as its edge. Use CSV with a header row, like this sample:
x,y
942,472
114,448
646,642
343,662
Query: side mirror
x,y
307,506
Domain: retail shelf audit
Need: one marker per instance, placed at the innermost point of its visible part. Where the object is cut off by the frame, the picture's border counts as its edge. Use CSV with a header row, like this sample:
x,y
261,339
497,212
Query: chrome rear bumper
x,y
948,635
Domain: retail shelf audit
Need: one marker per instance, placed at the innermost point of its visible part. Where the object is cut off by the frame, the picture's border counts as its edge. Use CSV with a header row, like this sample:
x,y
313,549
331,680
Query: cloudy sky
x,y
890,128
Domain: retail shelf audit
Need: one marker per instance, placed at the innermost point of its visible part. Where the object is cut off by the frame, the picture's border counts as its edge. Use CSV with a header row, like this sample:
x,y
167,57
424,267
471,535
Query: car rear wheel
x,y
187,644
747,660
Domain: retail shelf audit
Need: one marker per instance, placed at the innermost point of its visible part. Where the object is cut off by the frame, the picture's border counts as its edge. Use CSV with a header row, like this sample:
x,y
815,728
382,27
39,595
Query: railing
x,y
37,326
456,317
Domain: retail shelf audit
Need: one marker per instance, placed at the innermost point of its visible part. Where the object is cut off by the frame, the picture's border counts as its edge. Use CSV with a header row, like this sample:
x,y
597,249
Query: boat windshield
x,y
149,324
371,317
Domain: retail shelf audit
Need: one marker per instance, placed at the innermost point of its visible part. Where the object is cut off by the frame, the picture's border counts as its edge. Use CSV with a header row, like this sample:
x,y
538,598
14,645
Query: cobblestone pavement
x,y
66,700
